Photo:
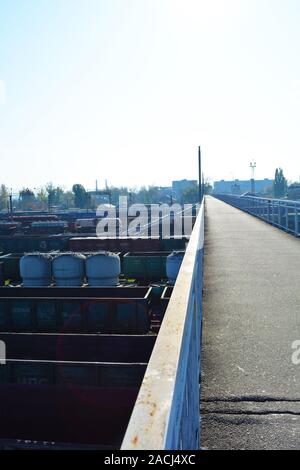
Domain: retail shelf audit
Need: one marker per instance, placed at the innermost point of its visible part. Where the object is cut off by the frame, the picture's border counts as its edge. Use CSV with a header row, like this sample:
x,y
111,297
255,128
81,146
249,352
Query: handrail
x,y
282,213
166,414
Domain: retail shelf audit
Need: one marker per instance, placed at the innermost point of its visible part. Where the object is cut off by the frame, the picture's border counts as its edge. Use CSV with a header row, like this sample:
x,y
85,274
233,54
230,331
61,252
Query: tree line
x,y
50,196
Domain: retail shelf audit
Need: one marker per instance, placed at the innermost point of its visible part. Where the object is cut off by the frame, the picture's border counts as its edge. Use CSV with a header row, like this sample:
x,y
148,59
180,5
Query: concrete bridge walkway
x,y
251,318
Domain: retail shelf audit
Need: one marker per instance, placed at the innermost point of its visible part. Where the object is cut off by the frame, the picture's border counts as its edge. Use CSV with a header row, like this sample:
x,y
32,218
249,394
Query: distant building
x,y
241,187
179,187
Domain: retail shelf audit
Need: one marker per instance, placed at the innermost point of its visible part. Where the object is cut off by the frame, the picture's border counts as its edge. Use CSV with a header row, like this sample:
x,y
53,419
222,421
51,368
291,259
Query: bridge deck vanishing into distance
x,y
250,388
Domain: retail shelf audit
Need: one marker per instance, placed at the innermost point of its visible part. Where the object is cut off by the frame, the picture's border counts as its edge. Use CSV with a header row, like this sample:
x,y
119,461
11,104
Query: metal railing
x,y
281,213
167,411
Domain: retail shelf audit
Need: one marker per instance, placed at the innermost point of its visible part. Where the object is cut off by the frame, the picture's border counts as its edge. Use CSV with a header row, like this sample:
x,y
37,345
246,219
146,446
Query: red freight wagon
x,y
122,245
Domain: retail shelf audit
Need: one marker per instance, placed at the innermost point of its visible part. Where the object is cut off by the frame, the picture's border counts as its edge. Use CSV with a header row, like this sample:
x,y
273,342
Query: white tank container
x,y
173,264
69,270
35,269
103,269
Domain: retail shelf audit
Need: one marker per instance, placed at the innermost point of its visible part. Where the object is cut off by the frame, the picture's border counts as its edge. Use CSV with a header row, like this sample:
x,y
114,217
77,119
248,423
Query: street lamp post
x,y
10,203
253,166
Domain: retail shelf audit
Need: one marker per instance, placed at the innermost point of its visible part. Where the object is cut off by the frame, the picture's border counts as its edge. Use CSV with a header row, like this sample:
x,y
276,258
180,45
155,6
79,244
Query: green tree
x,y
26,193
3,197
55,194
26,198
67,200
116,193
191,195
42,197
207,187
148,195
280,184
80,196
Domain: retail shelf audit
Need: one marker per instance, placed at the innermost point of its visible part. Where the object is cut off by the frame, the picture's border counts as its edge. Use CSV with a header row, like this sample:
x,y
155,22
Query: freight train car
x,y
76,356
26,244
66,309
71,388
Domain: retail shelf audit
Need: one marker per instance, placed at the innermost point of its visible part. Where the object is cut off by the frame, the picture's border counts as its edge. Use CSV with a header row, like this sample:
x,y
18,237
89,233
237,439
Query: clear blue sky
x,y
127,89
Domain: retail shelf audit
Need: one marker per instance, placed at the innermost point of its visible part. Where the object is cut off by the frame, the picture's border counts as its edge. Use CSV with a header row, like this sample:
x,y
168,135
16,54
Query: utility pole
x,y
200,175
10,204
253,166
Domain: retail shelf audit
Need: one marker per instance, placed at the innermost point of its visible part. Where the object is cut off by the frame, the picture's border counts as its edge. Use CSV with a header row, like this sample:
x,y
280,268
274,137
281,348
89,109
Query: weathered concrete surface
x,y
251,318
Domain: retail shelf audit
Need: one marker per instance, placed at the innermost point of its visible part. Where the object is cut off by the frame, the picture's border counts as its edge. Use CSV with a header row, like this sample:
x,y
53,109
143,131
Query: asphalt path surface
x,y
250,386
